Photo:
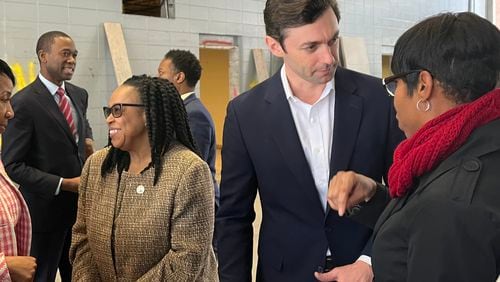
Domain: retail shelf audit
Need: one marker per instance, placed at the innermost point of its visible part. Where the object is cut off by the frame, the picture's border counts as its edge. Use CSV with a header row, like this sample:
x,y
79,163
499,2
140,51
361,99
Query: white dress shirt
x,y
314,124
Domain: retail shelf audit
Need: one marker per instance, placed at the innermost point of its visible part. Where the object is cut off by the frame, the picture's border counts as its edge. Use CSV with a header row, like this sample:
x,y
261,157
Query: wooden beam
x,y
260,65
118,50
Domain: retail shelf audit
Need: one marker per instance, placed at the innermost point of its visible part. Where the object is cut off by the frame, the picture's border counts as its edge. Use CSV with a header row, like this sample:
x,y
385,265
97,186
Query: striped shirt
x,y
15,223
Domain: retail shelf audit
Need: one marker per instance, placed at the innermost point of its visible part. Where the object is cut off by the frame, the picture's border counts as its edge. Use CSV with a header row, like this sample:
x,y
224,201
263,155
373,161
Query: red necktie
x,y
66,110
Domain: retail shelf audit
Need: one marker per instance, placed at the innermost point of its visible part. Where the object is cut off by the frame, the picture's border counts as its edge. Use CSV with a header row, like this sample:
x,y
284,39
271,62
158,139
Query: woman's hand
x,y
348,189
21,268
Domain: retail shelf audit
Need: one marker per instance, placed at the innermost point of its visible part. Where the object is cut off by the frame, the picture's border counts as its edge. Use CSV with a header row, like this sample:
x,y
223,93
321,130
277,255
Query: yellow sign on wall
x,y
23,78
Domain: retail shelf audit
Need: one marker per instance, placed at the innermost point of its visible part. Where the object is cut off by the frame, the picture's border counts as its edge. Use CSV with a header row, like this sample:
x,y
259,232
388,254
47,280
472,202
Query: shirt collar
x,y
329,87
52,87
186,95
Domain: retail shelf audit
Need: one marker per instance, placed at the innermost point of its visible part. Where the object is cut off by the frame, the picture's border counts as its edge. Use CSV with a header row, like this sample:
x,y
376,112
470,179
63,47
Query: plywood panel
x,y
118,50
260,65
355,54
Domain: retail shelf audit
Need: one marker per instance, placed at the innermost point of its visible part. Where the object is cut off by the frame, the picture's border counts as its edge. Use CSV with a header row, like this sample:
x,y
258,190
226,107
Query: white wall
x,y
380,22
147,38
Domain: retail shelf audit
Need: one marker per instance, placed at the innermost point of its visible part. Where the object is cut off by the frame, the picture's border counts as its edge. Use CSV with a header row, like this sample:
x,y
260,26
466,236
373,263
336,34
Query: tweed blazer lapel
x,y
104,194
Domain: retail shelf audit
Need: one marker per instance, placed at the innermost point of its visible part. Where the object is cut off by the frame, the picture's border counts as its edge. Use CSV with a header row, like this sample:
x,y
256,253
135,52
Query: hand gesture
x,y
348,189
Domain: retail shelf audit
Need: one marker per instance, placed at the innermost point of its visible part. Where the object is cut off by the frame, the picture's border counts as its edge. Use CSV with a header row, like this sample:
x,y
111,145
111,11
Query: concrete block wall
x,y
380,22
147,38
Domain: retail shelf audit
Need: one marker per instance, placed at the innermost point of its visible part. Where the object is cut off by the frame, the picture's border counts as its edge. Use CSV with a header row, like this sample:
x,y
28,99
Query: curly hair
x,y
186,62
166,121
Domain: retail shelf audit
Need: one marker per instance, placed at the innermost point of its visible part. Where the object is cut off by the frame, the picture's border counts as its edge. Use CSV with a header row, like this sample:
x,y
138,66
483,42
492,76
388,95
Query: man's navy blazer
x,y
262,151
203,130
38,149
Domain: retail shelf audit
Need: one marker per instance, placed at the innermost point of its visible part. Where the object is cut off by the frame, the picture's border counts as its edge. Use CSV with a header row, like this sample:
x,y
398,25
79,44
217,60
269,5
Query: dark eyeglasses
x,y
117,109
390,82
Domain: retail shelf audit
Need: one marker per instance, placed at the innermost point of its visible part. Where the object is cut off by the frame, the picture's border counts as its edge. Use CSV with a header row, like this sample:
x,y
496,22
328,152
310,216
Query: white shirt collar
x,y
288,91
186,95
52,87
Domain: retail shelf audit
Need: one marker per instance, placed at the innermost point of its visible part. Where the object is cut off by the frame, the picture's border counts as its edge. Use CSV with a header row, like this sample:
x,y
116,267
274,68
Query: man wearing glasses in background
x,y
44,149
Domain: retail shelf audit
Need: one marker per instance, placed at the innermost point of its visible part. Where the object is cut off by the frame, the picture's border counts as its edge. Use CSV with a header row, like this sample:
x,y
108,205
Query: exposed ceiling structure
x,y
143,7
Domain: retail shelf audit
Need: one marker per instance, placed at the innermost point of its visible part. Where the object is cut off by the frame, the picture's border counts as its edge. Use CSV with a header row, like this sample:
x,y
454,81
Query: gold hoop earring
x,y
427,106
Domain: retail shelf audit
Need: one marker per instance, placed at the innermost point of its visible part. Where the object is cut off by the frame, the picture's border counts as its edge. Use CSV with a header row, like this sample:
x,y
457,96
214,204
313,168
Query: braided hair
x,y
166,121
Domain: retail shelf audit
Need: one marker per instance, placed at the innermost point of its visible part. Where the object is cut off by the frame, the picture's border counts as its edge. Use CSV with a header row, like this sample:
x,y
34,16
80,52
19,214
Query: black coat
x,y
448,228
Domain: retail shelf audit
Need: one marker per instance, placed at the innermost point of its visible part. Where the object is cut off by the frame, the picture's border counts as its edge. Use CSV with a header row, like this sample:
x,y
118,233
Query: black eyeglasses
x,y
117,109
390,82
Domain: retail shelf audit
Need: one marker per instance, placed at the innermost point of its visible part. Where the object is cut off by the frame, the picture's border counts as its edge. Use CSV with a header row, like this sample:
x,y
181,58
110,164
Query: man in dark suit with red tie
x,y
44,149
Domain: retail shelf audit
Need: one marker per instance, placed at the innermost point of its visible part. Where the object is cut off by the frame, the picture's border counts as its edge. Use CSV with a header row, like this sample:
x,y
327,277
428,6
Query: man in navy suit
x,y
183,69
286,138
44,154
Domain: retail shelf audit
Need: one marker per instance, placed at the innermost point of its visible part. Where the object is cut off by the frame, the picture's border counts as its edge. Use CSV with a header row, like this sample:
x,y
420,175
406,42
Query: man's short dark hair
x,y
282,14
184,61
45,41
460,50
5,70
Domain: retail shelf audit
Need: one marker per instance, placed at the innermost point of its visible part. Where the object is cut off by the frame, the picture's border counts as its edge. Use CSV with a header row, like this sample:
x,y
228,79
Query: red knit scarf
x,y
438,139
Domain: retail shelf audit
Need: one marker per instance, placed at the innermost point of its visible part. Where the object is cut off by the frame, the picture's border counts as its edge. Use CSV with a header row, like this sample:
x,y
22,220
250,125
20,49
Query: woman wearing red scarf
x,y
443,222
15,222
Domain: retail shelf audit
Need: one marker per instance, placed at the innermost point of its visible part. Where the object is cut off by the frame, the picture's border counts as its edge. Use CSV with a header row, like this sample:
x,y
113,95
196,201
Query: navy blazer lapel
x,y
287,139
47,101
348,113
189,99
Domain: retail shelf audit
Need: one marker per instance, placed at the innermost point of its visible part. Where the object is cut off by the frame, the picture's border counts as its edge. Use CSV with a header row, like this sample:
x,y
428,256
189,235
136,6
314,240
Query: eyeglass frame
x,y
391,79
109,110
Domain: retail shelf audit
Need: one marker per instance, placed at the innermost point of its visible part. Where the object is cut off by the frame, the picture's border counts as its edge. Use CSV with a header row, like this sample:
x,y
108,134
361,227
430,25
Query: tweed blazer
x,y
129,230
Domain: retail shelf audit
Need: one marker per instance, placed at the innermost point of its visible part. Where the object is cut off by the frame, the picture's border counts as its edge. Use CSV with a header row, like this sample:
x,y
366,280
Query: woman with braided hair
x,y
145,210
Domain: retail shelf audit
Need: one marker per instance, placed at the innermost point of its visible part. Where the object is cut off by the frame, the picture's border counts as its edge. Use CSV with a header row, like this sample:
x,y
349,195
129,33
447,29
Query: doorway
x,y
214,86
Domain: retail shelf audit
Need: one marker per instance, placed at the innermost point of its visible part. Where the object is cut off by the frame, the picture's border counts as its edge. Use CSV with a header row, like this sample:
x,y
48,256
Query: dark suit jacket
x,y
38,149
203,130
262,151
448,228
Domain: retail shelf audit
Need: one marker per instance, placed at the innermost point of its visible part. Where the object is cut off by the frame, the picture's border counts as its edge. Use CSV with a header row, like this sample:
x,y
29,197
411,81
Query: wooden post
x,y
118,50
260,65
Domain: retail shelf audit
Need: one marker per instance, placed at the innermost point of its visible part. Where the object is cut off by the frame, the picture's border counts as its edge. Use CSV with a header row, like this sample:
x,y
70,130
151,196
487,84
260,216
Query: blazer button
x,y
140,189
471,165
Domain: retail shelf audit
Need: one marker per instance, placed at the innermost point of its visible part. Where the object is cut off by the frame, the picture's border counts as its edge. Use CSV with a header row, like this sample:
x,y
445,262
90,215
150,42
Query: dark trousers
x,y
64,264
51,250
